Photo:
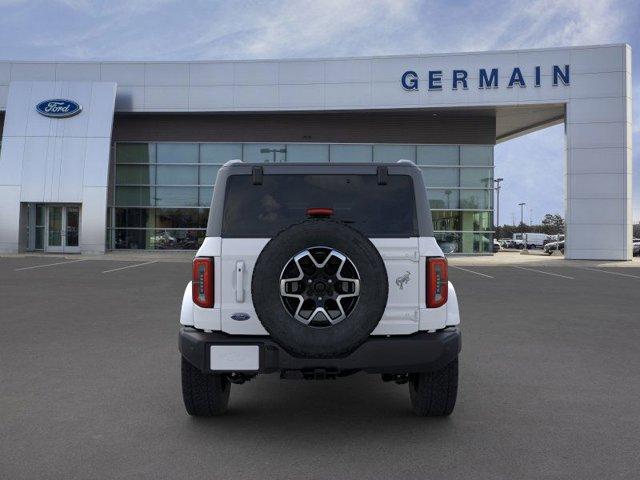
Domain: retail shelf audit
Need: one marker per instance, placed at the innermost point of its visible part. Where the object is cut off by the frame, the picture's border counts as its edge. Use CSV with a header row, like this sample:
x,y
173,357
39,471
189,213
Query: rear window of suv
x,y
259,211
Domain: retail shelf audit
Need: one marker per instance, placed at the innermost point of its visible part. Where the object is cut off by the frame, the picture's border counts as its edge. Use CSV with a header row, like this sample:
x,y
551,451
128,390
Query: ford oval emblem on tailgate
x,y
240,317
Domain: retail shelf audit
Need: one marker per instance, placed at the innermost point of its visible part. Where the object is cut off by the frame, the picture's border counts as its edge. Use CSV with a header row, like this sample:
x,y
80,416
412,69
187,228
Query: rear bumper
x,y
420,352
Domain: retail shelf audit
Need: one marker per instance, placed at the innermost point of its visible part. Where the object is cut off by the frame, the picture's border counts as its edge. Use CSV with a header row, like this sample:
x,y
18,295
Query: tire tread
x,y
204,395
434,394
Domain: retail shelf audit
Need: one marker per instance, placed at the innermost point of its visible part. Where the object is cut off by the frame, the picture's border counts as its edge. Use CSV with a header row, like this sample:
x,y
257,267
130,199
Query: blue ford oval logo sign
x,y
58,108
240,317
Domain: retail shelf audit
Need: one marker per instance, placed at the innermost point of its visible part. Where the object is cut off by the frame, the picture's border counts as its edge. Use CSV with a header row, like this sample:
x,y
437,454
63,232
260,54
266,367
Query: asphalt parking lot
x,y
550,382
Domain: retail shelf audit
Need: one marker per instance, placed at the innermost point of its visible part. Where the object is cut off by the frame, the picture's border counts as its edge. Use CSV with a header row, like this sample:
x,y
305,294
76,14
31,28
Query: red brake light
x,y
319,212
202,282
437,282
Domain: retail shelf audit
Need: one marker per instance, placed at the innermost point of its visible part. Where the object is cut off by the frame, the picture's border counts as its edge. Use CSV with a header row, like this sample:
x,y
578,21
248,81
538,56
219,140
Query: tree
x,y
553,223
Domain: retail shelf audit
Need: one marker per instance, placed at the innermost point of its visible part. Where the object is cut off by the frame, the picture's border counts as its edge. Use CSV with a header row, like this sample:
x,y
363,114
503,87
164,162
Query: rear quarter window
x,y
259,211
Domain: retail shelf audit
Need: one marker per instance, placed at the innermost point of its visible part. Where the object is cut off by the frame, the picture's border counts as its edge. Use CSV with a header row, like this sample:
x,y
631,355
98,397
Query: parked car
x,y
508,243
496,246
553,246
636,247
293,281
533,240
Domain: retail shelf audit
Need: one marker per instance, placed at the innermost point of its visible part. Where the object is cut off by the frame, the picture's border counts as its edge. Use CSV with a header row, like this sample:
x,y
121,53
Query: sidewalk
x,y
120,255
535,257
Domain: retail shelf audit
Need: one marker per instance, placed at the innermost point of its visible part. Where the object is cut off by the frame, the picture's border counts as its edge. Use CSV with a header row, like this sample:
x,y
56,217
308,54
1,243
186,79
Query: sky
x,y
532,165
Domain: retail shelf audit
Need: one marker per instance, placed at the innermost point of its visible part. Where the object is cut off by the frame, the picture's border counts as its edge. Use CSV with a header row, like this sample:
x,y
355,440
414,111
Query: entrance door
x,y
63,229
72,229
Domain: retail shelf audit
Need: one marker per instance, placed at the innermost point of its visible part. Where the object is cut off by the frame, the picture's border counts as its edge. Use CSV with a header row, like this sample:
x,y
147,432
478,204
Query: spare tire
x,y
319,288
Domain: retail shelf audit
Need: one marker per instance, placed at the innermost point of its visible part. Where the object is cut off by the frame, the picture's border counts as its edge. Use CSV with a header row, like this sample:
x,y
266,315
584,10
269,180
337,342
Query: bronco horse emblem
x,y
403,279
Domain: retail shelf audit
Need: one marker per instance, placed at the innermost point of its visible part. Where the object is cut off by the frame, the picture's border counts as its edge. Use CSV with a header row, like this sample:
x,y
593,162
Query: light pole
x,y
524,239
522,212
497,181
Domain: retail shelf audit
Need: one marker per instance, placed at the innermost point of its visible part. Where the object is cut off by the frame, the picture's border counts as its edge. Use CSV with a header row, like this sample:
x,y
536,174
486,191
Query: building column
x,y
598,207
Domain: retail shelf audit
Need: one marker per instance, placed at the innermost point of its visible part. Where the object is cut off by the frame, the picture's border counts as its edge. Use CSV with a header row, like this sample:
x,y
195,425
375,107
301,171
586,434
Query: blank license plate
x,y
232,358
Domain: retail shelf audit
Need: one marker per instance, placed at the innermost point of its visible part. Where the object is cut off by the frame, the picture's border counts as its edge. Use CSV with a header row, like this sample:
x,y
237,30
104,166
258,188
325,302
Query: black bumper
x,y
419,352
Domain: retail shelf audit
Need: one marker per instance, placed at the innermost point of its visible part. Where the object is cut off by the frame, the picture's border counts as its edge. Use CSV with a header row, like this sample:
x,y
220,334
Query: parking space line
x,y
471,271
50,264
544,273
610,273
130,266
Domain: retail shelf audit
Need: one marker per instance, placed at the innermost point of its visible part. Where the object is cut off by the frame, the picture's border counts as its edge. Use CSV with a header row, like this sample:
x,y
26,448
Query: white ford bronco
x,y
319,271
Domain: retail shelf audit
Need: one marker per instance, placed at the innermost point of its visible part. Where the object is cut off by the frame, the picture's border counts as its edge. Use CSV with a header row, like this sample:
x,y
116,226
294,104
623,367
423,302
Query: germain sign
x,y
487,78
58,108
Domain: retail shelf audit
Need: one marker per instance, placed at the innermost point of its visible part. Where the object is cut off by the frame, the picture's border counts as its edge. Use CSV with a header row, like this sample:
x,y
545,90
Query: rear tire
x,y
204,394
433,394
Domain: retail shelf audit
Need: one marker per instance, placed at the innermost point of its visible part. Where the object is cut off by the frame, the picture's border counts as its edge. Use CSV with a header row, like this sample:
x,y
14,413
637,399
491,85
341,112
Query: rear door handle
x,y
239,281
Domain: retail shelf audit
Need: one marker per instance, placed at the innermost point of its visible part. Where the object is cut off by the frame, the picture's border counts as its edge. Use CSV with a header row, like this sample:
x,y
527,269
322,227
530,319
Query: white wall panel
x,y
96,162
52,154
33,71
94,220
166,74
11,156
301,96
296,72
18,104
347,71
214,73
9,217
597,185
596,160
71,170
596,254
529,59
601,211
5,73
596,110
256,96
256,73
123,73
596,135
4,92
101,100
166,98
598,59
590,236
340,95
53,163
34,168
211,98
75,72
593,85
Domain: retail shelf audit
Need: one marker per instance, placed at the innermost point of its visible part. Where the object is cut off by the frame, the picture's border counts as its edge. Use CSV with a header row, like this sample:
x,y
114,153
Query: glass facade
x,y
162,191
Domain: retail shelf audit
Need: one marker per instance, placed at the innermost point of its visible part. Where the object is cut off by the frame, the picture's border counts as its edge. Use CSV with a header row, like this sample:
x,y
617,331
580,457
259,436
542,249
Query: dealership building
x,y
99,156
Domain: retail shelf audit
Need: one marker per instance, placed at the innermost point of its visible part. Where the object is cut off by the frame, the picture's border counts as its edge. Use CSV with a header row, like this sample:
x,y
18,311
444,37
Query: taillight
x,y
437,282
319,212
202,282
